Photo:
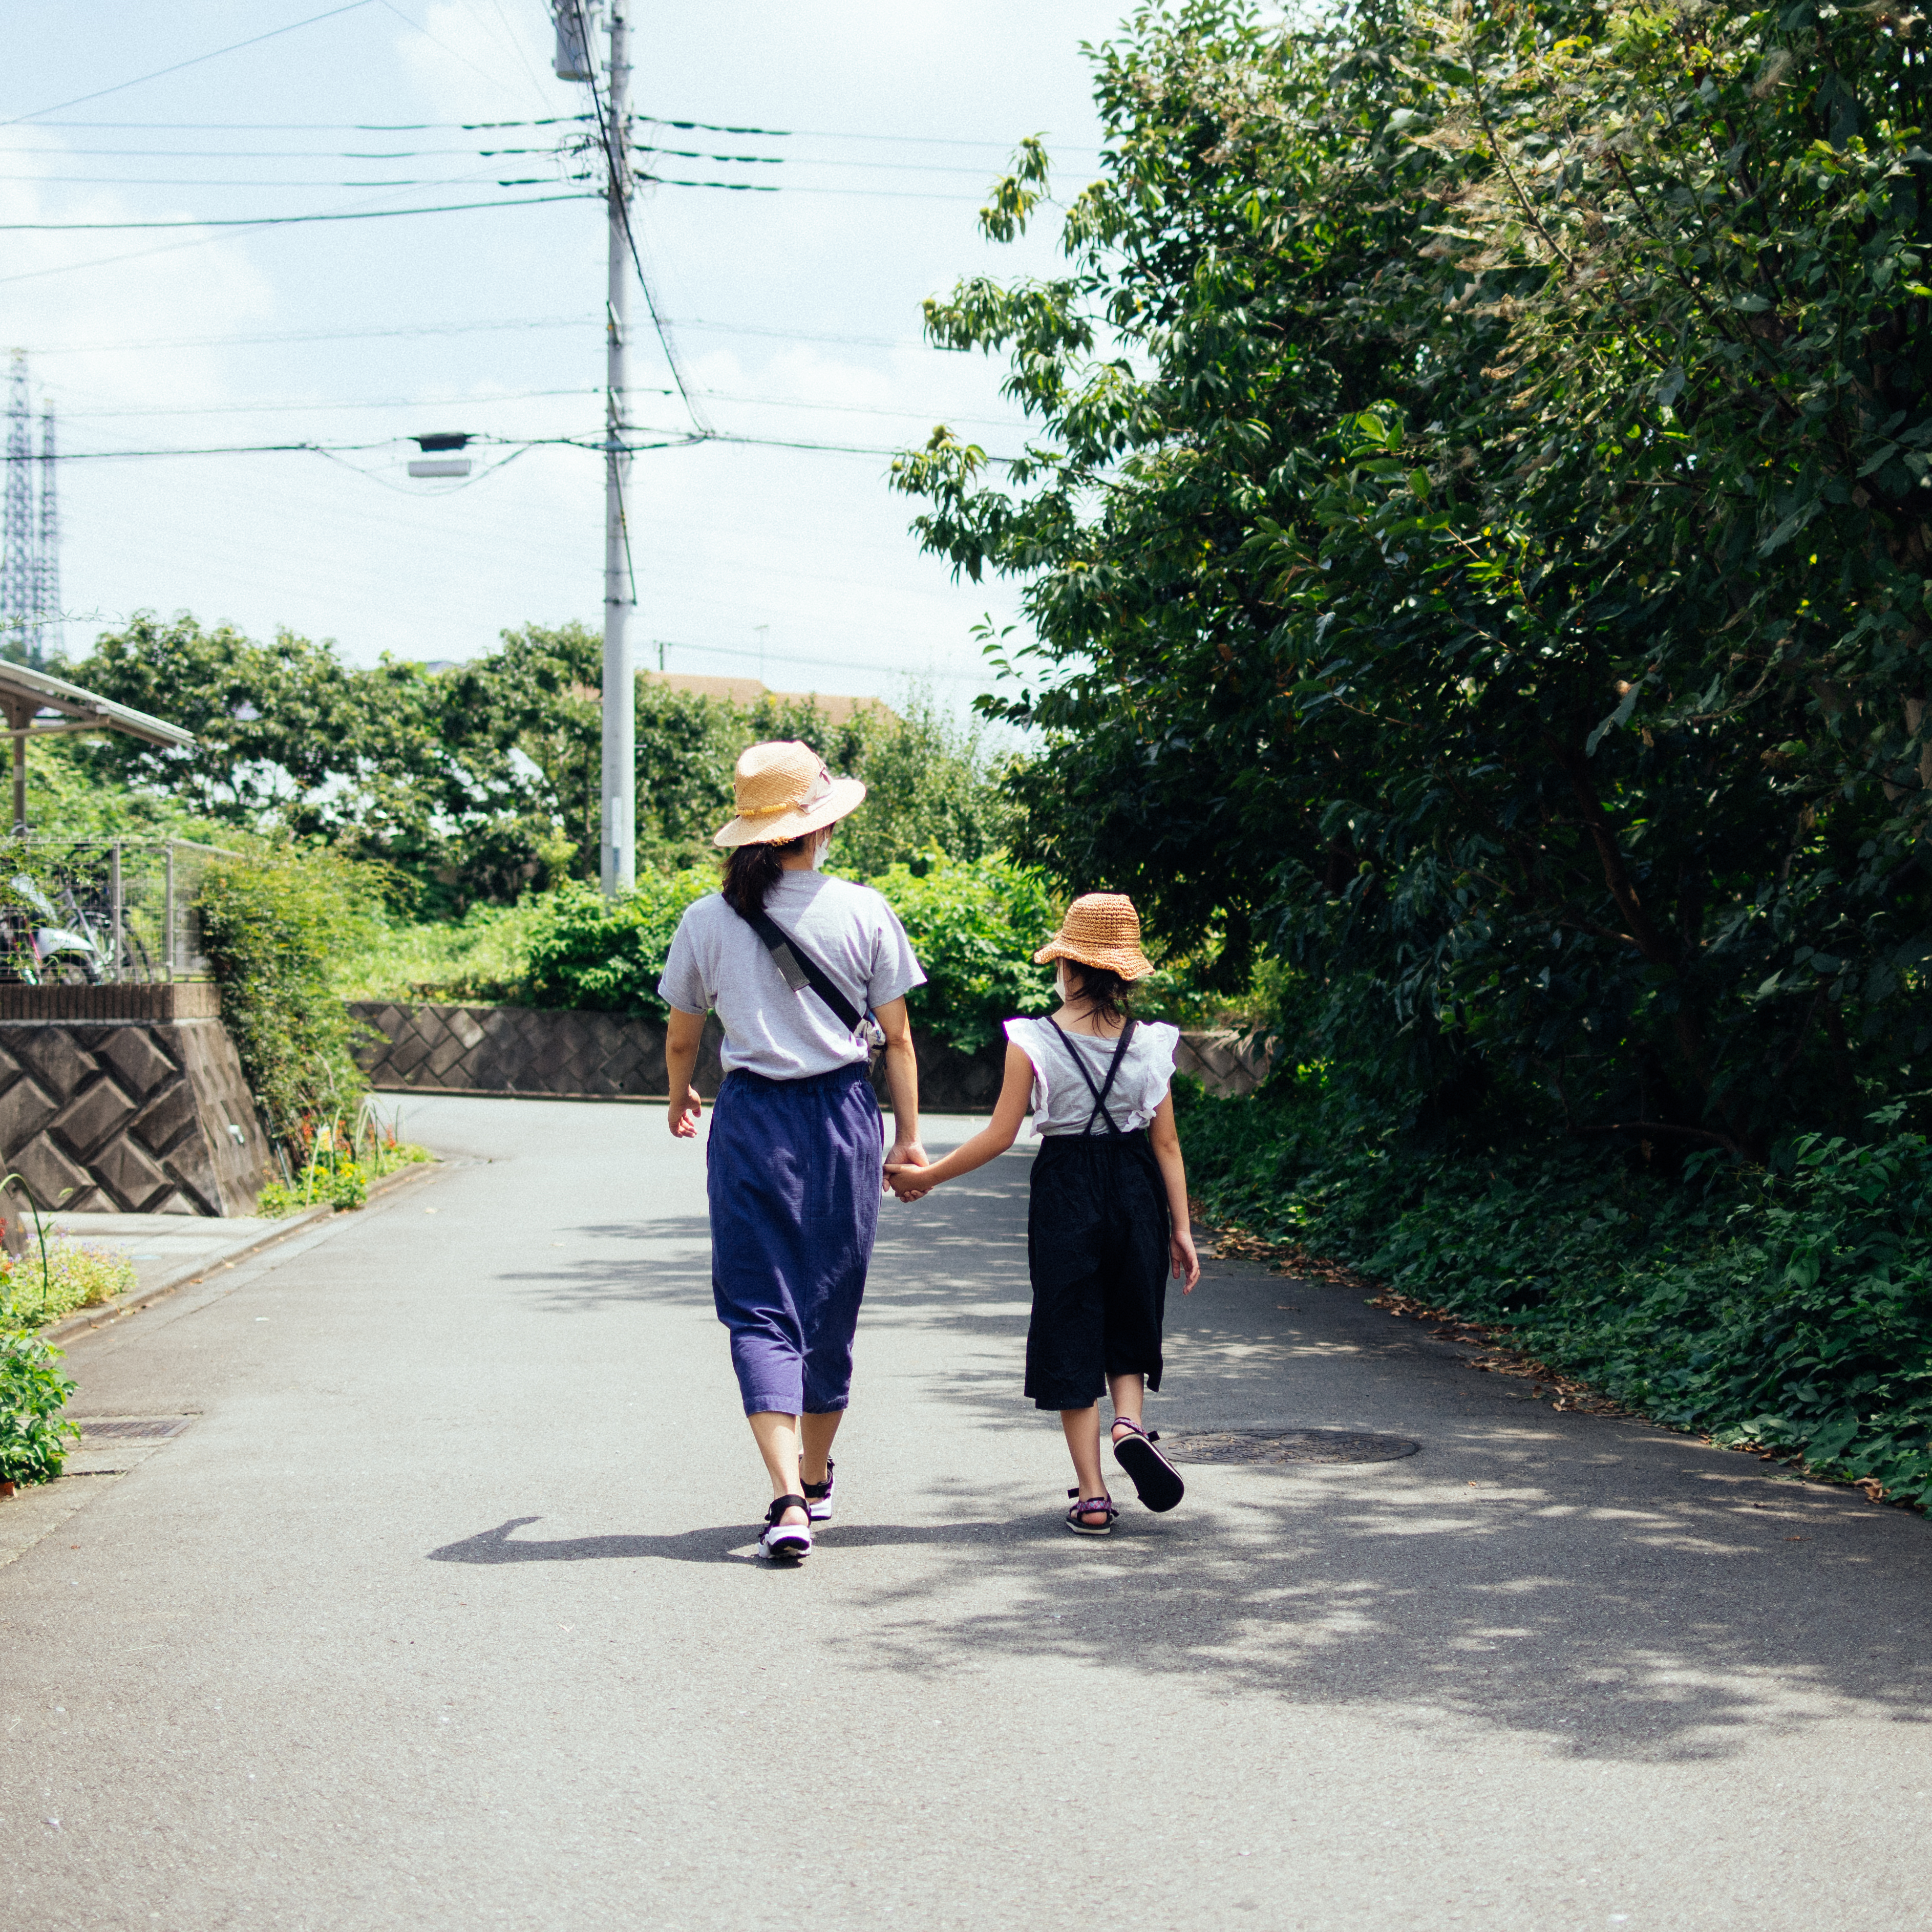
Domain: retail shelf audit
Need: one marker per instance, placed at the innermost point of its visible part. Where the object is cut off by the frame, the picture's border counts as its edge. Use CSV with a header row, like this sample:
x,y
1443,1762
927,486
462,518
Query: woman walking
x,y
1108,1220
790,961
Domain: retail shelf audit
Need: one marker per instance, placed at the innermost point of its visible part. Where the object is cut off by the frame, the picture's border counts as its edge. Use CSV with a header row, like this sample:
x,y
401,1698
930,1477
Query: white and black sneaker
x,y
786,1542
818,1495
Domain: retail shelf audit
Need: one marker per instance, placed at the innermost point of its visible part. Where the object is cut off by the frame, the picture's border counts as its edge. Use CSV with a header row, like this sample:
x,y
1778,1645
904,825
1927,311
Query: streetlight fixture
x,y
430,464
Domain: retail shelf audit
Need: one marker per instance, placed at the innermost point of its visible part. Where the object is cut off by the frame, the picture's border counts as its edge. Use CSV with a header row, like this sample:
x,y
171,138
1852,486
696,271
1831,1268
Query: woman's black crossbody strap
x,y
800,969
1106,1086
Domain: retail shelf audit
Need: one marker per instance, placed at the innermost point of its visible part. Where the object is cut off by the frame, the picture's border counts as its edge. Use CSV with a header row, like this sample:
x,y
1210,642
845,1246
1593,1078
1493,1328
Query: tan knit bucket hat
x,y
1100,929
784,791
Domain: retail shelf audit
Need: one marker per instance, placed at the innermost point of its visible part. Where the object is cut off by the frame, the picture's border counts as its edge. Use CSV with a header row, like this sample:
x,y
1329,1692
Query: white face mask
x,y
819,850
1060,985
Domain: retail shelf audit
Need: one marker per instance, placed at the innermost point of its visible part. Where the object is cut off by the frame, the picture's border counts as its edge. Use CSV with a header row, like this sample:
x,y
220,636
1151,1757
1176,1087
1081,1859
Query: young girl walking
x,y
1108,1218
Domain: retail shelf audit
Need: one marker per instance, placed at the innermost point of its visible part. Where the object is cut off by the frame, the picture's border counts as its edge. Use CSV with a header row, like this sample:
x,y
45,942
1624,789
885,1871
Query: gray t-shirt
x,y
718,961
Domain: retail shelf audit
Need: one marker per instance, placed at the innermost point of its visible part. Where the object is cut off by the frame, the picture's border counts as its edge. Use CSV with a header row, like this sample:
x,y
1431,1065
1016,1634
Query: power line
x,y
750,651
319,335
431,154
450,402
547,120
459,402
206,181
832,134
310,127
276,153
278,220
434,41
702,324
736,187
229,449
677,440
121,86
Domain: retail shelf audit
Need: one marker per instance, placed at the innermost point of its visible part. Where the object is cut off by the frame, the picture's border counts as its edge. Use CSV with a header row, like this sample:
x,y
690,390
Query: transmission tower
x,y
20,586
52,637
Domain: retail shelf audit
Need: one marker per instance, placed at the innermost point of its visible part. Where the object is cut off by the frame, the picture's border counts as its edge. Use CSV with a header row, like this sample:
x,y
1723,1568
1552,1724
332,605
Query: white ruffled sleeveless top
x,y
1062,1103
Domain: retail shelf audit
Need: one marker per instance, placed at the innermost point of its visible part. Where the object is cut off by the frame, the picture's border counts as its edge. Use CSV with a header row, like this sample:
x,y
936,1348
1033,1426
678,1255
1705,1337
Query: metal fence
x,y
95,912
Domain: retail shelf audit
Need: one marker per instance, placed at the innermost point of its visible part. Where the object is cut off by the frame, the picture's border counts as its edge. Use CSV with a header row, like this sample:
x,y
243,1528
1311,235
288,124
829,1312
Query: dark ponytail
x,y
1104,993
752,870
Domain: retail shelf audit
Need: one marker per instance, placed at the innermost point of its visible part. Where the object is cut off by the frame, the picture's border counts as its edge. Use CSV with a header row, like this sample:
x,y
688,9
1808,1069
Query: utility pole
x,y
617,860
617,864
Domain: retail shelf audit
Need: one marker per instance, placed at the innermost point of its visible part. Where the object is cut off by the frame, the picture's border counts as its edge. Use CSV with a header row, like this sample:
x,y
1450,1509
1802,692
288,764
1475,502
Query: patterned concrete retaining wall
x,y
1225,1063
440,1049
133,1116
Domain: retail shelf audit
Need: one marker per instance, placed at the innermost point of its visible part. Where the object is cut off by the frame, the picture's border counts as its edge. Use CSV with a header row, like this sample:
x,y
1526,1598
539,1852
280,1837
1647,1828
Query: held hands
x,y
903,1157
685,1113
1185,1262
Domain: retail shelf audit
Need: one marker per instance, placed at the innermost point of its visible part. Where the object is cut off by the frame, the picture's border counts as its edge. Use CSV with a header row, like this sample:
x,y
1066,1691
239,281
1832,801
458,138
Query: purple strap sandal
x,y
1156,1480
1088,1506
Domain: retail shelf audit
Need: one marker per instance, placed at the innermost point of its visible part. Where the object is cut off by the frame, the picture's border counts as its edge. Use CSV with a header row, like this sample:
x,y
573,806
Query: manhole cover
x,y
1287,1445
133,1428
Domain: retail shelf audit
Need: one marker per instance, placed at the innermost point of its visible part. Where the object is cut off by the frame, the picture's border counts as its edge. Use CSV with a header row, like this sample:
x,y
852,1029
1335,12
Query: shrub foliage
x,y
35,1434
276,925
1789,1306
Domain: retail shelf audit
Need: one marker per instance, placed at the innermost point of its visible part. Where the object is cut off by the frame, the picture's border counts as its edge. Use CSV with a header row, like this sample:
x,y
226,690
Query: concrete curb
x,y
84,1321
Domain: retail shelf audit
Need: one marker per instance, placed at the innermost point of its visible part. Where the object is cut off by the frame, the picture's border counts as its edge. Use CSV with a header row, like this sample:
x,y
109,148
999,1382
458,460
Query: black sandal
x,y
786,1542
1086,1506
1156,1480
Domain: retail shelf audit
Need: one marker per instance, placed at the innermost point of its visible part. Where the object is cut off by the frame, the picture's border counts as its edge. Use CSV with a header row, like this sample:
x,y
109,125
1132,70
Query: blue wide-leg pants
x,y
792,1174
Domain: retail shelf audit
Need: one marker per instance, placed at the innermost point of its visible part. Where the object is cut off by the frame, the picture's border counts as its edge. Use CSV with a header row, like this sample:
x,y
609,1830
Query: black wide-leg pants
x,y
1096,1249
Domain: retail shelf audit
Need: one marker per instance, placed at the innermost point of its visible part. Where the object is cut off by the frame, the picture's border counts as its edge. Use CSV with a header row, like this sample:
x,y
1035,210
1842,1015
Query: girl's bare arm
x,y
1165,1139
910,1182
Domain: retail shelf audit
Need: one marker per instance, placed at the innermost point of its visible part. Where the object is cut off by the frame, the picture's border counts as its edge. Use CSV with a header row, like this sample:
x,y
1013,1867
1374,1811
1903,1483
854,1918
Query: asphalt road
x,y
442,1613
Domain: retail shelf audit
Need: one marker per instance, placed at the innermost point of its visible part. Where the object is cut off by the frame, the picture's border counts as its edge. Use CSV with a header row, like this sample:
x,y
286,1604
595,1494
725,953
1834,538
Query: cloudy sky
x,y
796,314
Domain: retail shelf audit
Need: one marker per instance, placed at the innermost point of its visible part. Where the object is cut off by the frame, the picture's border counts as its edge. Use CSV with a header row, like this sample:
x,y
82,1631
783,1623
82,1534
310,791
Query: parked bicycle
x,y
71,945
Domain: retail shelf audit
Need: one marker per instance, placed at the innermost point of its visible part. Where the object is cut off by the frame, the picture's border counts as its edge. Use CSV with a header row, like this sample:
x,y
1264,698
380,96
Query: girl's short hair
x,y
1106,994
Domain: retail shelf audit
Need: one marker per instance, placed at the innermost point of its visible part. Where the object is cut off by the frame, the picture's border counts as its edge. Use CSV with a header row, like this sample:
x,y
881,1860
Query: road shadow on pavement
x,y
501,1545
1613,1591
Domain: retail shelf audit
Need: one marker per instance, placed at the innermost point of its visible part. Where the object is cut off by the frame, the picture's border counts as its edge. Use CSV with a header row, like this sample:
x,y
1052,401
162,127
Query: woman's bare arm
x,y
992,1140
902,1083
1165,1138
682,1036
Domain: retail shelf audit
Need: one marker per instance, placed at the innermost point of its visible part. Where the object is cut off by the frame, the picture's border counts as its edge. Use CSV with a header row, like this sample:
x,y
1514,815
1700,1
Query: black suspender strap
x,y
1106,1086
800,969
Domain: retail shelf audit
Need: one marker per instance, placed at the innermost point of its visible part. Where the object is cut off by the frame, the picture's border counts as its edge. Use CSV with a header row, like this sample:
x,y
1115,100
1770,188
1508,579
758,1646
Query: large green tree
x,y
1476,540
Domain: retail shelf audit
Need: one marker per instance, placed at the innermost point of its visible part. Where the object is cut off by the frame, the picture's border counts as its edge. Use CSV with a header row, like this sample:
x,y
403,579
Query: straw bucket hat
x,y
1100,929
784,791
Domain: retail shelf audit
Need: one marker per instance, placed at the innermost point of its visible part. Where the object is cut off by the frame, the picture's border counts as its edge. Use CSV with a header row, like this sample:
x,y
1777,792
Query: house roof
x,y
747,690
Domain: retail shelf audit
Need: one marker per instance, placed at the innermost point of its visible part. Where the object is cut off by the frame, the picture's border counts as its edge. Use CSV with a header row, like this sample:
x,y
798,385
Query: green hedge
x,y
582,949
975,927
1789,1305
276,925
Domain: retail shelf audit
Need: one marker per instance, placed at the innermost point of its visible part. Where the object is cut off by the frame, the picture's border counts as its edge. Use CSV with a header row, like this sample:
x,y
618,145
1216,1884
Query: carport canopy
x,y
29,696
